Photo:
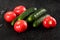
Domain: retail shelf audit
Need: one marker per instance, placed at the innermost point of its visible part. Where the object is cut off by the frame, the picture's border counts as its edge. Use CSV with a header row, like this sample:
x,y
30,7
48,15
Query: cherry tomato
x,y
19,9
53,22
49,22
9,16
45,22
20,26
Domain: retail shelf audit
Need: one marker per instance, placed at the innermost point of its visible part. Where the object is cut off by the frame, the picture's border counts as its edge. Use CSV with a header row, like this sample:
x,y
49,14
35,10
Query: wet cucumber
x,y
23,15
36,14
38,21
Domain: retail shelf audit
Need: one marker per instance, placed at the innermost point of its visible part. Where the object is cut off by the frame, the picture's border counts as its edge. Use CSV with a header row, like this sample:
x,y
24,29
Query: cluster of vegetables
x,y
20,17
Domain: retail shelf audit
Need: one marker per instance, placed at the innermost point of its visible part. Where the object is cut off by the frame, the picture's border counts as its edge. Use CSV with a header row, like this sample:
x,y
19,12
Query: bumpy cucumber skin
x,y
36,15
23,15
38,21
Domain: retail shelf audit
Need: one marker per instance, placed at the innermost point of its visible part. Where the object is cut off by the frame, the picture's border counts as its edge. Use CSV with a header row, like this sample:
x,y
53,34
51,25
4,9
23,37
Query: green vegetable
x,y
23,15
38,21
36,15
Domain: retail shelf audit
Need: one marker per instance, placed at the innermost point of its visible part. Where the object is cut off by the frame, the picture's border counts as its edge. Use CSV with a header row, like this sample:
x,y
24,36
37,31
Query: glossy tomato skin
x,y
20,26
45,22
19,9
54,22
9,16
49,22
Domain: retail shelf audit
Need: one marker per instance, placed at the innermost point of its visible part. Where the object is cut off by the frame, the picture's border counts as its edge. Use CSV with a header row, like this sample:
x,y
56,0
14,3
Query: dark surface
x,y
7,32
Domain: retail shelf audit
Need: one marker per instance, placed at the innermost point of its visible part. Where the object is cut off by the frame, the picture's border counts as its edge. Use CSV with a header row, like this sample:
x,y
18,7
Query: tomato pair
x,y
11,15
49,22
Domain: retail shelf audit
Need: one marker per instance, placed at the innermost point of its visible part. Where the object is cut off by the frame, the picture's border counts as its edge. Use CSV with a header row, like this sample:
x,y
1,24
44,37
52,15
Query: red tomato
x,y
49,22
19,9
9,16
45,22
53,22
20,26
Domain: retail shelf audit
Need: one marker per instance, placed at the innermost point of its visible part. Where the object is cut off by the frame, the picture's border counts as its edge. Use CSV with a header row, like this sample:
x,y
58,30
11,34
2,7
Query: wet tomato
x,y
49,22
20,26
9,16
19,9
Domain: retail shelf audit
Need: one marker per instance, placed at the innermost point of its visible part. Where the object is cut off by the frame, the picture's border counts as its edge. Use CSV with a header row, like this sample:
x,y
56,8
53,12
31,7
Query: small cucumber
x,y
36,14
23,15
38,21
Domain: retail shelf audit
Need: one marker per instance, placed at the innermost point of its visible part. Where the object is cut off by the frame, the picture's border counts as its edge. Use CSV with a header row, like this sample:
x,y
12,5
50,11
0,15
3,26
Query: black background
x,y
7,32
